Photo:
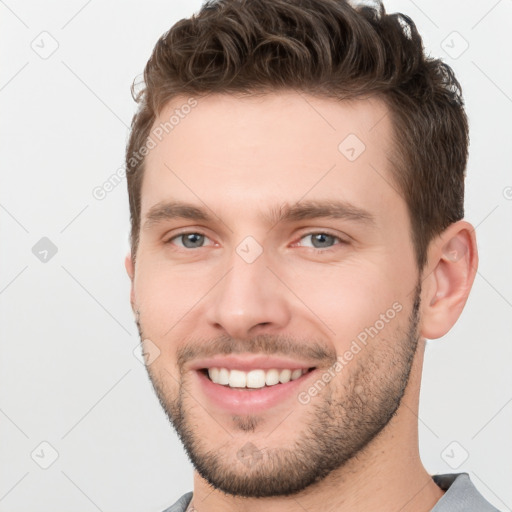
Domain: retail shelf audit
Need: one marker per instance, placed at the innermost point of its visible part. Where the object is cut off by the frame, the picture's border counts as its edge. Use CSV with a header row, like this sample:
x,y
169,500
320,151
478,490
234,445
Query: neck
x,y
387,475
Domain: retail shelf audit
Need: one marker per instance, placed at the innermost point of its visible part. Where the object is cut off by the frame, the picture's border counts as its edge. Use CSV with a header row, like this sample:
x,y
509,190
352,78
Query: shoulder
x,y
181,505
461,495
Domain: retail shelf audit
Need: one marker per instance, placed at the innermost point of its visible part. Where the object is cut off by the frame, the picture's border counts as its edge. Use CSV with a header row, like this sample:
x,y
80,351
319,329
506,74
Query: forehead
x,y
254,152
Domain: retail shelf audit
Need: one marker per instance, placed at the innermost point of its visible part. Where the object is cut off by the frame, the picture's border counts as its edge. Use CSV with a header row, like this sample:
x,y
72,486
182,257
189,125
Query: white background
x,y
68,373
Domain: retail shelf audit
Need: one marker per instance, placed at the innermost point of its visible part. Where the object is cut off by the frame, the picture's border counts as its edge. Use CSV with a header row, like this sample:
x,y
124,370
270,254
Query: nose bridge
x,y
249,295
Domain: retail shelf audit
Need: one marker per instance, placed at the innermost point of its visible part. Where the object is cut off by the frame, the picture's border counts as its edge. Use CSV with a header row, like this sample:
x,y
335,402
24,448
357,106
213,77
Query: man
x,y
296,177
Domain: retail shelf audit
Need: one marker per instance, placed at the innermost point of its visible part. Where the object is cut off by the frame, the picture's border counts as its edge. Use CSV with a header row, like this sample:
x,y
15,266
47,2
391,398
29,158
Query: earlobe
x,y
130,269
452,266
128,265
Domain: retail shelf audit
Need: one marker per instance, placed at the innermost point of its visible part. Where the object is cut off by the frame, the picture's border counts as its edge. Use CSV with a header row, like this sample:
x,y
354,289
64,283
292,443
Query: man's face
x,y
274,246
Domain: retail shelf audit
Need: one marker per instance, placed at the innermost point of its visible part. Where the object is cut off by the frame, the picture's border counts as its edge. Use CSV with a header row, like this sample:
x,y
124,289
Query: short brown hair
x,y
330,49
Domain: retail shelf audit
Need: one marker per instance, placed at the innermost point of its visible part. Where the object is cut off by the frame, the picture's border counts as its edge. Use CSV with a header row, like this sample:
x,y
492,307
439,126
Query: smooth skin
x,y
242,160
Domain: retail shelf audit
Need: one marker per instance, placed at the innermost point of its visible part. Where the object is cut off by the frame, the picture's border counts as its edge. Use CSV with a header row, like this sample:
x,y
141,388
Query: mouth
x,y
253,379
250,384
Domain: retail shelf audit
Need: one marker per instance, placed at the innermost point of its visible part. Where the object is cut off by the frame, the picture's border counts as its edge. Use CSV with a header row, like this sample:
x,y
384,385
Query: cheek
x,y
167,297
353,299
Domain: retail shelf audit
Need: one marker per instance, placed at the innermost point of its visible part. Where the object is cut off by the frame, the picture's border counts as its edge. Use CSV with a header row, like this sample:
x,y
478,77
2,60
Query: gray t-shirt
x,y
460,496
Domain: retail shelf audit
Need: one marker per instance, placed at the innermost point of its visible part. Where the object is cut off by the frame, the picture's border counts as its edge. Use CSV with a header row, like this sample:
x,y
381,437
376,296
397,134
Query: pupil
x,y
322,240
193,240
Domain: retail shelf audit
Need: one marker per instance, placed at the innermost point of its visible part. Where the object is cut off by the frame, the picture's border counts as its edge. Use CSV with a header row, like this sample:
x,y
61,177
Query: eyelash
x,y
338,241
311,233
169,241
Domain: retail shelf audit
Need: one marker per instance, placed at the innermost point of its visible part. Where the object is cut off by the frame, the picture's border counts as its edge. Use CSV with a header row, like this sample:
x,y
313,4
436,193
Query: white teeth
x,y
253,379
223,377
285,376
296,374
256,379
237,379
213,373
272,377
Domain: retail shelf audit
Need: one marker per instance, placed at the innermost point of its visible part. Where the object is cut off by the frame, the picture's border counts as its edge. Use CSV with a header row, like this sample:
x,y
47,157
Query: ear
x,y
129,265
450,269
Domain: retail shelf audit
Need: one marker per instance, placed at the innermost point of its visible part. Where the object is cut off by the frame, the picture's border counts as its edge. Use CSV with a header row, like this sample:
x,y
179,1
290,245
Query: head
x,y
296,180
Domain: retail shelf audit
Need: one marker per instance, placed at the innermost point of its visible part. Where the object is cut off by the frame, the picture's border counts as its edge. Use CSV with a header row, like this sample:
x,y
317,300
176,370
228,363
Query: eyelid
x,y
173,233
168,239
342,239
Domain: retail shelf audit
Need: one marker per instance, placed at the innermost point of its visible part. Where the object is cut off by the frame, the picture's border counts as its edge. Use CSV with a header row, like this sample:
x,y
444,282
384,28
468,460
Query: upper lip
x,y
250,362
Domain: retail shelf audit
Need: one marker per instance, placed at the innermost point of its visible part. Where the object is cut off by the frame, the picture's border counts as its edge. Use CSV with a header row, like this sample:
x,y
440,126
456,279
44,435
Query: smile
x,y
254,379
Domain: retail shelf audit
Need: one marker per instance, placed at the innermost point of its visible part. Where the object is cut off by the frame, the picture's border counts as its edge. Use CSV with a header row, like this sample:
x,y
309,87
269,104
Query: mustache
x,y
265,344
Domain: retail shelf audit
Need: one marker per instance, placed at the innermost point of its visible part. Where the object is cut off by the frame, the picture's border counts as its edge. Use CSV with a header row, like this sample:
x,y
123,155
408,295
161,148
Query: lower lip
x,y
247,401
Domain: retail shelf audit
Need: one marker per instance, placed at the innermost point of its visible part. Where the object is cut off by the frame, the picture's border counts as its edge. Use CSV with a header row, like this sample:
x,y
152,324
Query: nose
x,y
249,300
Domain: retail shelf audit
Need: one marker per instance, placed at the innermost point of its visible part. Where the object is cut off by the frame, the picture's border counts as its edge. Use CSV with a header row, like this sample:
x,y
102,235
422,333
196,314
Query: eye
x,y
190,240
320,240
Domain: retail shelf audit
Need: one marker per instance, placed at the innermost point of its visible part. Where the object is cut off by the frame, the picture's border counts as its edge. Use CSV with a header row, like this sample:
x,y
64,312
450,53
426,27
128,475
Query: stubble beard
x,y
338,424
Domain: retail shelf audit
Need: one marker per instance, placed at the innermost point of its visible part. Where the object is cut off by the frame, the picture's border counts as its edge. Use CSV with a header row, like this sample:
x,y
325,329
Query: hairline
x,y
397,155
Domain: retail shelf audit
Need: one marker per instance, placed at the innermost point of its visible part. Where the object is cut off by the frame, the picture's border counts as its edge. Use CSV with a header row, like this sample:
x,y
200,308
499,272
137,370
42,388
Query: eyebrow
x,y
175,210
302,210
306,210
